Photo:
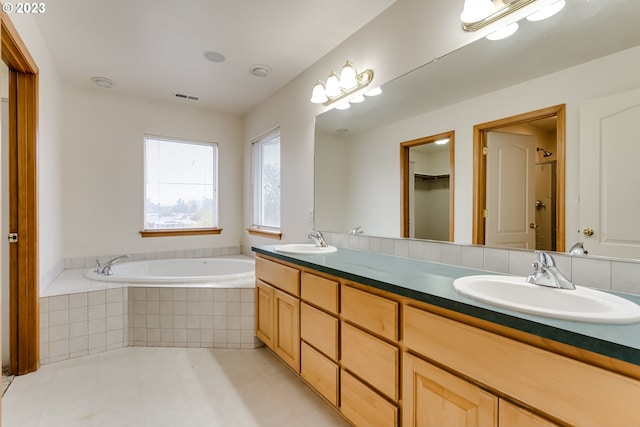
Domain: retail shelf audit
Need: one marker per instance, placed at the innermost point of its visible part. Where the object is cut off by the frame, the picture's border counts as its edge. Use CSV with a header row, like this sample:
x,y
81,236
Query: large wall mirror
x,y
589,51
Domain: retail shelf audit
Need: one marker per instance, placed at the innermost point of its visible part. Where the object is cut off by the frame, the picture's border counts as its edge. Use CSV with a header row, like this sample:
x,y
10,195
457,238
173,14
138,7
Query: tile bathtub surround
x,y
604,273
78,324
90,261
192,317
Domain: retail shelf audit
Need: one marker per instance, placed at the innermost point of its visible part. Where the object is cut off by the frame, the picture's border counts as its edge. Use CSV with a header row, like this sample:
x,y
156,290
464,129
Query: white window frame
x,y
182,231
258,223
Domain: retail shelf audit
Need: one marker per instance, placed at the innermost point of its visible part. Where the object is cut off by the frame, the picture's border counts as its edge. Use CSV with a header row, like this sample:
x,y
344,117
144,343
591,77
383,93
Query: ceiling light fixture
x,y
103,82
213,56
344,89
260,70
478,14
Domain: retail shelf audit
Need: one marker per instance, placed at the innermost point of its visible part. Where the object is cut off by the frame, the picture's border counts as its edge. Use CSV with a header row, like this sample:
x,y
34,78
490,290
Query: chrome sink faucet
x,y
546,273
356,230
318,238
106,269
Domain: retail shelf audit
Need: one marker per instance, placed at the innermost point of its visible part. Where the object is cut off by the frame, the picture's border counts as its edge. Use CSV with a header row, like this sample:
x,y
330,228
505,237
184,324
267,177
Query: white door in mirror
x,y
581,304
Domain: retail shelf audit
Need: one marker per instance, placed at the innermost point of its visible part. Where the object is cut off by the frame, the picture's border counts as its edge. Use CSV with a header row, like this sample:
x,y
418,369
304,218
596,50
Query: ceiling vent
x,y
184,96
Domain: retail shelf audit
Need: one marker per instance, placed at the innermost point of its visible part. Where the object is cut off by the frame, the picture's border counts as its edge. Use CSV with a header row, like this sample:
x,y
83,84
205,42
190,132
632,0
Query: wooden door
x,y
609,175
510,220
264,313
286,337
435,398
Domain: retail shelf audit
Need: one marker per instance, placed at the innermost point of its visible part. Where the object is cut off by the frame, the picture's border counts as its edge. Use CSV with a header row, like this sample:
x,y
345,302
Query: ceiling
x,y
154,48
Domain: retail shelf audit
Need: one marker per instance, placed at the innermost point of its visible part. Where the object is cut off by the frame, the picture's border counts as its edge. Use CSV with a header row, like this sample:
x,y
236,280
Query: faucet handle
x,y
546,259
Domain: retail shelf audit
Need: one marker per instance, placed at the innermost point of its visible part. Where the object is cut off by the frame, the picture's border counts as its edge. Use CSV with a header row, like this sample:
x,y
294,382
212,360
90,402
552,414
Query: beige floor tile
x,y
157,387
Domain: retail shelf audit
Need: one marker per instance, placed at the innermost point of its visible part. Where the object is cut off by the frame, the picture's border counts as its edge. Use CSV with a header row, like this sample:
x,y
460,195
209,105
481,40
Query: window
x,y
266,183
180,185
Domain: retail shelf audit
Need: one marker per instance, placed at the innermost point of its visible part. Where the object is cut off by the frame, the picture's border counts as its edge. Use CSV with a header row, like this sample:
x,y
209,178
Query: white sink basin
x,y
304,249
581,304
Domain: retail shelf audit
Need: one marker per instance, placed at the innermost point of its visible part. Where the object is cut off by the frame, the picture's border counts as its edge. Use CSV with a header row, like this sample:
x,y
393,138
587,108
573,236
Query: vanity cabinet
x,y
386,360
558,387
278,309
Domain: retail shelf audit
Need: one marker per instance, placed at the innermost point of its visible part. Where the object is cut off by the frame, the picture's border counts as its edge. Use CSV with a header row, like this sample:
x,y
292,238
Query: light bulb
x,y
318,96
333,85
504,32
348,76
476,10
374,92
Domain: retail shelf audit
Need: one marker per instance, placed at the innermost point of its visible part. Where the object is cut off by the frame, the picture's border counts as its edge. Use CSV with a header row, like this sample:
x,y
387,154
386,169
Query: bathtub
x,y
218,272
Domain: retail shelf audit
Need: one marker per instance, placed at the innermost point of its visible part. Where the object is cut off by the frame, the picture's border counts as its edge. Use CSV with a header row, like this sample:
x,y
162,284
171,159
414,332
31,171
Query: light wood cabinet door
x,y
286,319
511,415
264,313
435,398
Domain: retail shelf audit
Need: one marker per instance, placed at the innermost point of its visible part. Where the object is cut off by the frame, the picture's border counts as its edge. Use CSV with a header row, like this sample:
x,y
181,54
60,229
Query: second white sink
x,y
304,249
581,304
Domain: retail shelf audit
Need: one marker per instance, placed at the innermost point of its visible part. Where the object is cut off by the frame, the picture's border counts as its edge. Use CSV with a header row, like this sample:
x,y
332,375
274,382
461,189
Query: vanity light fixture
x,y
442,141
478,14
344,89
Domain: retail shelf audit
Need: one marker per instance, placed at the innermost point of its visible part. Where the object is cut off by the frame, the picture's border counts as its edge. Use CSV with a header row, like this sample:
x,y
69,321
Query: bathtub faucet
x,y
106,269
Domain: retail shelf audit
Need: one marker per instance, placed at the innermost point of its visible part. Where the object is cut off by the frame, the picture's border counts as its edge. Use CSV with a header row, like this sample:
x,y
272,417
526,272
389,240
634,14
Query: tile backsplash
x,y
595,272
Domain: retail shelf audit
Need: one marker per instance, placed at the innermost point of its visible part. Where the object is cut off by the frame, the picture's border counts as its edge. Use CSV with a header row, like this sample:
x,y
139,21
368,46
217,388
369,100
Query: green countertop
x,y
433,283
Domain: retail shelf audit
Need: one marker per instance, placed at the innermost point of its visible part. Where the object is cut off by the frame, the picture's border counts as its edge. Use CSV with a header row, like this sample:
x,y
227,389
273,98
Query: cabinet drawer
x,y
372,359
278,275
377,314
320,330
320,292
512,415
321,373
554,384
363,406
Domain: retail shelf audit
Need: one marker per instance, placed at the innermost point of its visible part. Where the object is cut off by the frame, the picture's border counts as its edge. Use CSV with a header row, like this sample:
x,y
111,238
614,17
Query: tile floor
x,y
158,387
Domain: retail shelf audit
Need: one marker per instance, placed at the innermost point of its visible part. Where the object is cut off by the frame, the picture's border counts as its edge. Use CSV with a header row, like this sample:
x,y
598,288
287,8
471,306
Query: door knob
x,y
588,231
533,225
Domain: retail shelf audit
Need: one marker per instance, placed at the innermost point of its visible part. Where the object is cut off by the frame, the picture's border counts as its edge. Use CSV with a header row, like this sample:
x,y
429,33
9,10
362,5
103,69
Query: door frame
x,y
404,178
23,201
480,132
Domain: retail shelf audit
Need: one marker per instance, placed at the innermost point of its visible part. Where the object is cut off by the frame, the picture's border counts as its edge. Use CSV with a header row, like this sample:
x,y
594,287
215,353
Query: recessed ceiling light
x,y
103,82
260,70
213,56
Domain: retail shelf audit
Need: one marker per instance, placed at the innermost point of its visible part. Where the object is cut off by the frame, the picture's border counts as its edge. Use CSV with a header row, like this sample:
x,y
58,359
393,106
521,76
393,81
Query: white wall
x,y
103,170
398,40
50,211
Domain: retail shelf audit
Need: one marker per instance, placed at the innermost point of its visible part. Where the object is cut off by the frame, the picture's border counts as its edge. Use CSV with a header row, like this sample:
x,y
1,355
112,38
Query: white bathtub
x,y
221,272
